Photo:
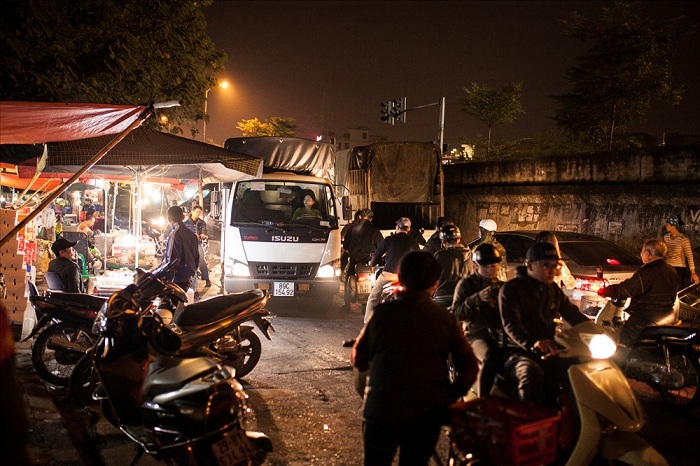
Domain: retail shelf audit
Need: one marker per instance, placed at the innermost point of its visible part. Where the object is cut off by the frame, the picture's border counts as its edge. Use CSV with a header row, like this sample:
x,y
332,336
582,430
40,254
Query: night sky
x,y
329,64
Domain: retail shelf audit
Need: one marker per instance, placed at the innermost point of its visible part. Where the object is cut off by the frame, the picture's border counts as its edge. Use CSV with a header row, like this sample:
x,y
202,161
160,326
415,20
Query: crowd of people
x,y
458,297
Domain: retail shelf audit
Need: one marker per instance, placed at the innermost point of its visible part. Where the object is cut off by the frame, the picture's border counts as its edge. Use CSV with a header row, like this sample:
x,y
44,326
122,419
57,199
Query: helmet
x,y
450,233
488,224
486,254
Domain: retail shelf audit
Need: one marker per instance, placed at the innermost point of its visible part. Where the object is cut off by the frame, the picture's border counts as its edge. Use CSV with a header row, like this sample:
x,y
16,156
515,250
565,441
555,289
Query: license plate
x,y
284,289
233,449
364,288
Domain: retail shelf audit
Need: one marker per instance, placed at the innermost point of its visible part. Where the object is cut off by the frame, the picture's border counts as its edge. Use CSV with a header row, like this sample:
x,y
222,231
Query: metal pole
x,y
442,172
204,127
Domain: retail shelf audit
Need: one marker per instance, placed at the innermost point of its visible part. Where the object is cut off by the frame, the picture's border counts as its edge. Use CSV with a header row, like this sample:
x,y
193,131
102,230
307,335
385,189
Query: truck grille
x,y
286,271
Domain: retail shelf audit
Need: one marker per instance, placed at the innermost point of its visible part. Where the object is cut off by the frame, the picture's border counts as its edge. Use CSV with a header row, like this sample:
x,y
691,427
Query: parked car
x,y
594,262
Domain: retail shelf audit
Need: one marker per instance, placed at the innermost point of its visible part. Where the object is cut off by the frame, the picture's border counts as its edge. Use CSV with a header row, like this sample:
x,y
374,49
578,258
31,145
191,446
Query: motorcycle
x,y
358,284
213,328
665,357
503,430
64,323
181,411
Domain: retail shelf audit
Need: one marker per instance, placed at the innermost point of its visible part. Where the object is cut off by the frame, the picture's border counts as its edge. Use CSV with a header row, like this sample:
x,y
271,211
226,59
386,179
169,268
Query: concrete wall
x,y
621,197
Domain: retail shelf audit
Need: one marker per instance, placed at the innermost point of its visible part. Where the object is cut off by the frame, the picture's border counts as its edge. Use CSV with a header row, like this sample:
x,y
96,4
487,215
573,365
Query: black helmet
x,y
486,254
450,233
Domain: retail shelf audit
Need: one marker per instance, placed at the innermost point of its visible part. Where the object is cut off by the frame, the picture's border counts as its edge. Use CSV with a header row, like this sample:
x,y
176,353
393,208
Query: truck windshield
x,y
287,202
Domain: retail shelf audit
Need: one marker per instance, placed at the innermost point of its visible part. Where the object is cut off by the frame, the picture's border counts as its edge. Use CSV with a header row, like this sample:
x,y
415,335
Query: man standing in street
x,y
408,390
200,229
392,249
182,245
66,266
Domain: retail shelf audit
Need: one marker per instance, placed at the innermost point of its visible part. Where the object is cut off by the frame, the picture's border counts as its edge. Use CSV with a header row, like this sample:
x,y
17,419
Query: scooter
x,y
665,357
181,411
358,284
213,328
63,326
609,415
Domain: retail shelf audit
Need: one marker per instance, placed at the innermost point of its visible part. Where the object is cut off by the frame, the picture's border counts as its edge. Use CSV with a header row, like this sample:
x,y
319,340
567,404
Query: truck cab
x,y
296,259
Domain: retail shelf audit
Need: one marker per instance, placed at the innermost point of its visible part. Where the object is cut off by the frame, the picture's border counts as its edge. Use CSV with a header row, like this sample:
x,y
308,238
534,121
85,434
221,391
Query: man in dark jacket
x,y
652,289
391,249
361,240
455,263
182,245
434,244
408,391
476,303
528,304
66,266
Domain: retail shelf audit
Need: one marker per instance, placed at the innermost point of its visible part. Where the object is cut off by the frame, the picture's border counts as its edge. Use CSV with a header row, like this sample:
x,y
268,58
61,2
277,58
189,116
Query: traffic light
x,y
399,109
387,112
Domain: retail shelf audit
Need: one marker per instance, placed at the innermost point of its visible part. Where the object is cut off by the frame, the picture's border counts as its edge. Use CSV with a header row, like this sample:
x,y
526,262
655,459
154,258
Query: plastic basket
x,y
505,432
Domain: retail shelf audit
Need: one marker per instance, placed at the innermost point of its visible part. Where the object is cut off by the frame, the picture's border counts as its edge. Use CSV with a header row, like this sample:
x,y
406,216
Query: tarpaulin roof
x,y
164,155
302,156
39,122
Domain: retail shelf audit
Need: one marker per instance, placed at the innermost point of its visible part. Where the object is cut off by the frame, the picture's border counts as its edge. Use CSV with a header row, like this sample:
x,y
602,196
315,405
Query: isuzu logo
x,y
286,239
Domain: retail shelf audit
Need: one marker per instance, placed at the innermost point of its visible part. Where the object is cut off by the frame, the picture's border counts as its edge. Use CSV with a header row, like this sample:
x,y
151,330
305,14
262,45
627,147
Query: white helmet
x,y
488,224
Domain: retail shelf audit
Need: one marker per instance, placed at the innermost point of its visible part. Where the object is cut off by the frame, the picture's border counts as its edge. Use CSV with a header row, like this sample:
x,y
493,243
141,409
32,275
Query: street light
x,y
223,84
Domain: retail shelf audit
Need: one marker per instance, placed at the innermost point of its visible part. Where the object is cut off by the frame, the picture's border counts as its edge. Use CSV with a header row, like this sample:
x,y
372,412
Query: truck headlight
x,y
329,270
240,269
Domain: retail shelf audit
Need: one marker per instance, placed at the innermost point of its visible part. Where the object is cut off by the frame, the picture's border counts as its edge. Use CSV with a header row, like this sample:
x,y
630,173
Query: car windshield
x,y
594,253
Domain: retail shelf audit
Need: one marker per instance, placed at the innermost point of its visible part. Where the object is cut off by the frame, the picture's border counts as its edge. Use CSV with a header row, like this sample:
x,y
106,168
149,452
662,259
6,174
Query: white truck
x,y
296,260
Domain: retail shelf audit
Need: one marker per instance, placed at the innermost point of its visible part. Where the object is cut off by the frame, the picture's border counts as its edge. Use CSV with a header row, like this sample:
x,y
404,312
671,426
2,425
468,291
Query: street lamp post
x,y
223,84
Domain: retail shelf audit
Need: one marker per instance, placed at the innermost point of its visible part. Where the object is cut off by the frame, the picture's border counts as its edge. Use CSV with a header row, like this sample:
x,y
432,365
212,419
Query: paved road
x,y
303,398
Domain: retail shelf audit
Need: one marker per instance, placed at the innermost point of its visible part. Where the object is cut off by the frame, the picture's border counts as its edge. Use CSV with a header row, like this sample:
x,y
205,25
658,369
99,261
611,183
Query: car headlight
x,y
329,270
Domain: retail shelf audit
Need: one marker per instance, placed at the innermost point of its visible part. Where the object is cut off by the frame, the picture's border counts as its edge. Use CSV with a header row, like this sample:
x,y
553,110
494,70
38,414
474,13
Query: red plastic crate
x,y
505,432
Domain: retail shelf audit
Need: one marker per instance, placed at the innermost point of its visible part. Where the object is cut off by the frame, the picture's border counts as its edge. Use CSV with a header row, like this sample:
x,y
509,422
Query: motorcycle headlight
x,y
602,347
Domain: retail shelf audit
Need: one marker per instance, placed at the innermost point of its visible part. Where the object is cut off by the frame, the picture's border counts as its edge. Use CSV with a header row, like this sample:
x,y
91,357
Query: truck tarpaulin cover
x,y
40,122
403,171
301,156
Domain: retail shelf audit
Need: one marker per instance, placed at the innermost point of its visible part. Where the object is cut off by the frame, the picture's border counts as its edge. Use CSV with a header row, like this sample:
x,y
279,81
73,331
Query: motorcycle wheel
x,y
688,396
83,381
351,295
56,366
246,355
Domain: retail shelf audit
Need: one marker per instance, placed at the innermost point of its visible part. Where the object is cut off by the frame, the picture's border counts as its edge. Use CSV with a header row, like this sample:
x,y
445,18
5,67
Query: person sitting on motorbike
x,y
362,240
476,304
528,305
66,266
392,249
455,263
408,390
653,291
434,243
487,229
345,256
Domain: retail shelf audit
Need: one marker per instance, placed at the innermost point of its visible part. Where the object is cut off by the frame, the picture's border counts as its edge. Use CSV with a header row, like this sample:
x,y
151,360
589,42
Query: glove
x,y
602,291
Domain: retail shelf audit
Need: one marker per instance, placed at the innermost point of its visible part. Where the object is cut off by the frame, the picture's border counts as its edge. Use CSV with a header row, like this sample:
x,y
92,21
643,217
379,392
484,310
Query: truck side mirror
x,y
347,208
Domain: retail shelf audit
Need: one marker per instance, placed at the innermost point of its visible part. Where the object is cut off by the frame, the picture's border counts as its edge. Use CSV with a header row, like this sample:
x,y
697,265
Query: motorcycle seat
x,y
670,331
76,299
218,307
169,374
